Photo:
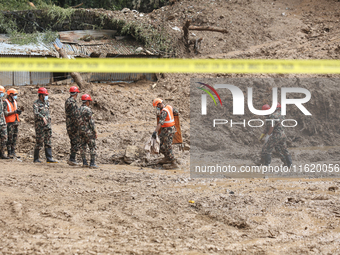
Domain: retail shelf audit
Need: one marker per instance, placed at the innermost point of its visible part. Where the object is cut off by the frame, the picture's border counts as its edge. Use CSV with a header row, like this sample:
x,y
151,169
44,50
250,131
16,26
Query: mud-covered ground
x,y
119,208
57,209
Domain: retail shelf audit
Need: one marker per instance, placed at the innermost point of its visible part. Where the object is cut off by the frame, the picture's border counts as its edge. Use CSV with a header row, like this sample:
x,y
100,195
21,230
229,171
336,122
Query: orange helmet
x,y
266,107
12,91
2,89
156,102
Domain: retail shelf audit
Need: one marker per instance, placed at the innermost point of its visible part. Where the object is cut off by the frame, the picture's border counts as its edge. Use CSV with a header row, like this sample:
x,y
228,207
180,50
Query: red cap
x,y
42,91
86,97
278,105
74,89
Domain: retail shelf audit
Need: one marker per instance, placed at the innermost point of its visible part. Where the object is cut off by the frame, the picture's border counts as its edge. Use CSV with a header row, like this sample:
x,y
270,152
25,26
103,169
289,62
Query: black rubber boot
x,y
9,152
48,153
36,156
173,164
85,164
267,159
72,161
2,155
165,160
92,163
14,154
289,161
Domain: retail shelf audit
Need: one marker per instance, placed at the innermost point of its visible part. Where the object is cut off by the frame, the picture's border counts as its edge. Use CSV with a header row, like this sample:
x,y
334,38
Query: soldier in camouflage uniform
x,y
12,119
87,131
276,138
43,127
167,123
3,126
72,118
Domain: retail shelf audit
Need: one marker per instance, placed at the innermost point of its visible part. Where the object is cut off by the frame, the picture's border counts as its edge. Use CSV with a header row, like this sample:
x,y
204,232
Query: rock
x,y
117,158
16,208
125,10
132,153
135,163
171,17
186,147
148,52
333,189
139,50
176,29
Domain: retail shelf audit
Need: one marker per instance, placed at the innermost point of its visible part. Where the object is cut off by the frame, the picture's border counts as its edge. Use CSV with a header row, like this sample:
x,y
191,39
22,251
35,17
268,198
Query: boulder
x,y
132,153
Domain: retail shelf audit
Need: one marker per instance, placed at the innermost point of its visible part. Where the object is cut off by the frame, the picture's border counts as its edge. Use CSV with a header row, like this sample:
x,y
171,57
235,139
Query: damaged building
x,y
77,44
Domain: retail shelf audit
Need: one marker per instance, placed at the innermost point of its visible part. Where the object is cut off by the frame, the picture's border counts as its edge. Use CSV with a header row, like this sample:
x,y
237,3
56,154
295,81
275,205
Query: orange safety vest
x,y
169,120
11,108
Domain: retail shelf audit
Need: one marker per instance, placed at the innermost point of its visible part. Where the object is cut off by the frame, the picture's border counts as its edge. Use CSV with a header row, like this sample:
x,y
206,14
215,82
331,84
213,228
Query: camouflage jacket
x,y
86,123
2,113
41,110
278,128
72,112
163,115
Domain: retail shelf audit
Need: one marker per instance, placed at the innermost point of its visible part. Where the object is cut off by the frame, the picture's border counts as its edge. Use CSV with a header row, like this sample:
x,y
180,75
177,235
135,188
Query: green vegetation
x,y
34,38
17,36
105,4
61,14
151,37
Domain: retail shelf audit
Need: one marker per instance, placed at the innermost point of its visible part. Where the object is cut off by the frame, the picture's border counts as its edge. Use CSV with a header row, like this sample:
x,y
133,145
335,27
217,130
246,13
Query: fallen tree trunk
x,y
214,29
75,75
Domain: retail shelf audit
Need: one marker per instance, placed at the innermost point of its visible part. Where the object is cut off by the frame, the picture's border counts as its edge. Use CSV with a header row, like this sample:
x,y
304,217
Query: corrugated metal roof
x,y
82,49
78,36
112,47
25,50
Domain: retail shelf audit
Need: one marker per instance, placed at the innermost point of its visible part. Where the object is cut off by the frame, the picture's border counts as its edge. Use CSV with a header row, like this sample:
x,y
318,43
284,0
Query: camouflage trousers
x,y
166,136
73,134
3,137
90,141
277,141
12,135
43,136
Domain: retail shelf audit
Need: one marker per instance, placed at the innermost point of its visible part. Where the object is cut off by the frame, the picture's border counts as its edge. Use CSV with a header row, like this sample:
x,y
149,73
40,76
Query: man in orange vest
x,y
12,119
167,123
3,125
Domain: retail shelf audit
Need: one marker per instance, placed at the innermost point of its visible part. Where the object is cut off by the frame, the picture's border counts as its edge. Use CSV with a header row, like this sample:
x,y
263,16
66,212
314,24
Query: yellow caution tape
x,y
143,65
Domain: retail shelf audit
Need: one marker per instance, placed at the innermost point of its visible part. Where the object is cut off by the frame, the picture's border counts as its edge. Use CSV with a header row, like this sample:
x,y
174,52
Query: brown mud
x,y
57,209
124,209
